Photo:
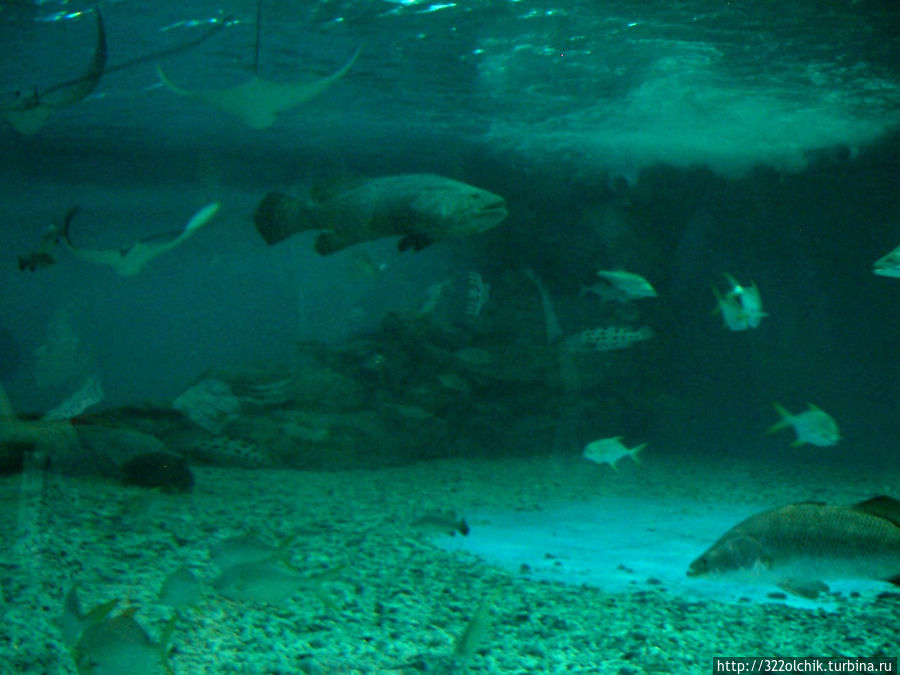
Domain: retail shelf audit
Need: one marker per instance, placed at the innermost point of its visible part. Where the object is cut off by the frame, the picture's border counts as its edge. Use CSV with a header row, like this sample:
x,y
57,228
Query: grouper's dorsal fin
x,y
881,506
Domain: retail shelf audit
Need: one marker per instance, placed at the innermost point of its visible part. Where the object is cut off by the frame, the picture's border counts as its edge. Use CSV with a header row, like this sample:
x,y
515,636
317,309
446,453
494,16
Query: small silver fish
x,y
741,306
269,581
111,646
633,285
245,549
610,450
814,426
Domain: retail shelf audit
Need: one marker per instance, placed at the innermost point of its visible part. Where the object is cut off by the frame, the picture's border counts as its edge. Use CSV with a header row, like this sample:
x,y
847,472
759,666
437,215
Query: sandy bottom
x,y
404,596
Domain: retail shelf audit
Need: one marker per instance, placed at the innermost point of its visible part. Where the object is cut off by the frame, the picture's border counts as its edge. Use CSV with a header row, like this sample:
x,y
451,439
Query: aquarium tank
x,y
482,336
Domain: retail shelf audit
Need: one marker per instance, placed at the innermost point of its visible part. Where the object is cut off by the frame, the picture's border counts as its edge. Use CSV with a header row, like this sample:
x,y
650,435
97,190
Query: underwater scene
x,y
487,336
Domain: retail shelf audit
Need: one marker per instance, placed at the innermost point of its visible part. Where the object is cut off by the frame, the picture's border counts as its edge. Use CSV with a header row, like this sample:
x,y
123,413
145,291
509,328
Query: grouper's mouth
x,y
495,211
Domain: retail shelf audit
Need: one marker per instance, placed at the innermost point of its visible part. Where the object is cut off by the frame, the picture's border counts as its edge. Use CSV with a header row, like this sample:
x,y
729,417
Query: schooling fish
x,y
797,546
129,261
419,208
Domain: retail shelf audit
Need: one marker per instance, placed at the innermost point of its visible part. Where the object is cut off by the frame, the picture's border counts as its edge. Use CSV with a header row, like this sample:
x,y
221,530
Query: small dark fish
x,y
419,208
798,545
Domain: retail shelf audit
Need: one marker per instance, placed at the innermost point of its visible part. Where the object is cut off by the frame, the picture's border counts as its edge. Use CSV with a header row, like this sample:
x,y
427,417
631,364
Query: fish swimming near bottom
x,y
797,546
105,645
419,208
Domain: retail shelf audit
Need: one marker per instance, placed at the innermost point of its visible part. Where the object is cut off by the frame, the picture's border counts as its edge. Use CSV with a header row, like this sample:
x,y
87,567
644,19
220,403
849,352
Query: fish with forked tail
x,y
797,546
419,208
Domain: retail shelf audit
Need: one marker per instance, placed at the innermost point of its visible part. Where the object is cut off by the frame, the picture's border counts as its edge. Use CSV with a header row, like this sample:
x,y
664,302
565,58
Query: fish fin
x,y
278,216
64,228
883,507
414,241
797,443
330,242
783,423
813,406
633,453
803,588
171,86
732,283
165,642
200,218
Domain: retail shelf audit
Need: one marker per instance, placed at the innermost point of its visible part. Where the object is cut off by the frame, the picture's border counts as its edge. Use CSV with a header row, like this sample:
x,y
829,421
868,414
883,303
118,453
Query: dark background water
x,y
678,139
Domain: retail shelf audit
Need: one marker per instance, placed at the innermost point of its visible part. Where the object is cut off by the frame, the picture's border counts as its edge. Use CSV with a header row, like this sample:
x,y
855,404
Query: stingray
x,y
258,102
29,113
131,260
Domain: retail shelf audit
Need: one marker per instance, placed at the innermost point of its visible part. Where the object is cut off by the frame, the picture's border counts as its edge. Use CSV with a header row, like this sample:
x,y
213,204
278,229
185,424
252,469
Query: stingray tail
x,y
278,216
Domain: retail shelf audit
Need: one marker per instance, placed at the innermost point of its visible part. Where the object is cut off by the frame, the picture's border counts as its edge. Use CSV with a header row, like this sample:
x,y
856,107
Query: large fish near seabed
x,y
419,208
797,546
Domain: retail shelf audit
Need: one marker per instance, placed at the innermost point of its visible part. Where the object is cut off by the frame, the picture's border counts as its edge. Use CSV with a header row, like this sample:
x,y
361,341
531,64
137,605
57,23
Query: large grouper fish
x,y
420,208
797,546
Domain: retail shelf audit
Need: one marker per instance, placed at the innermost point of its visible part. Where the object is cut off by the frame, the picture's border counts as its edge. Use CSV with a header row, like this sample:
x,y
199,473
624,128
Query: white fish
x,y
749,299
741,306
634,285
889,265
610,450
814,426
732,313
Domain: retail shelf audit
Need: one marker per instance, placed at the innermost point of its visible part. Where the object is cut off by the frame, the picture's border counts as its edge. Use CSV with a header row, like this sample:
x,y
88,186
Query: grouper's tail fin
x,y
278,216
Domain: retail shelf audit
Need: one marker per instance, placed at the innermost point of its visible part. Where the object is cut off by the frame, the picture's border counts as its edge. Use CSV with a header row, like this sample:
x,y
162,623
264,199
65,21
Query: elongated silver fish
x,y
420,208
801,544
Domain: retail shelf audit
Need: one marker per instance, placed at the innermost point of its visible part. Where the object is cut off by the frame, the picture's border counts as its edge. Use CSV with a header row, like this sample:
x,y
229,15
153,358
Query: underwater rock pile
x,y
428,384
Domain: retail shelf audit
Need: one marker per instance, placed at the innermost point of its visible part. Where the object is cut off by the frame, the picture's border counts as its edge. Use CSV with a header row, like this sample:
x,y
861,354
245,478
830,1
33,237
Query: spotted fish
x,y
419,208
